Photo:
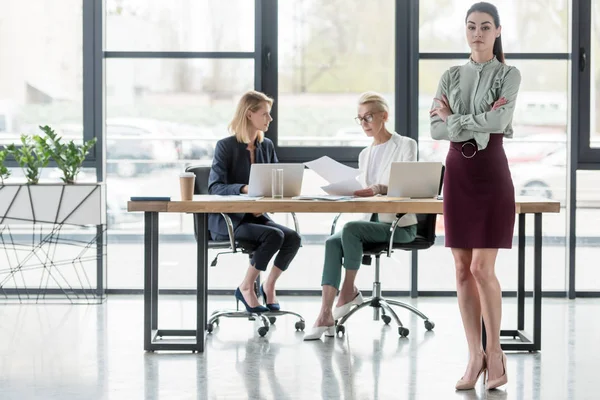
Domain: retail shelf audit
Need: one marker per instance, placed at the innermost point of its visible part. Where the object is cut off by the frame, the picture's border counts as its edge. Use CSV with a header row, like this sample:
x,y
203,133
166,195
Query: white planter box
x,y
53,203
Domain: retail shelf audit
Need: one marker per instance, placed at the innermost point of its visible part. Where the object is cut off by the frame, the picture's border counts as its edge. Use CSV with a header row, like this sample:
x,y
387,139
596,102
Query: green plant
x,y
68,156
4,171
30,156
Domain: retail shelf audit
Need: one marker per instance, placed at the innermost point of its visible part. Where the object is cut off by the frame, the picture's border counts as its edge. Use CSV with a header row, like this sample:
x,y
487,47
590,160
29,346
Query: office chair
x,y
425,239
236,246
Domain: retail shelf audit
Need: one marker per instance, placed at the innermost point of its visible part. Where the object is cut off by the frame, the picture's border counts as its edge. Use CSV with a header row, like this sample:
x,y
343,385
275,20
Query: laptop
x,y
260,179
415,179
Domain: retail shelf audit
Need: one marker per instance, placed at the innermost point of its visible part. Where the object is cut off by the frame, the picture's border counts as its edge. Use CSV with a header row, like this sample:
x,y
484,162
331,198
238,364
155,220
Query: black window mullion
x,y
269,65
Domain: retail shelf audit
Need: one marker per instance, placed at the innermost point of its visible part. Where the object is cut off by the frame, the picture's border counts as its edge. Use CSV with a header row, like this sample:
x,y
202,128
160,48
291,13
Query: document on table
x,y
327,197
342,179
216,197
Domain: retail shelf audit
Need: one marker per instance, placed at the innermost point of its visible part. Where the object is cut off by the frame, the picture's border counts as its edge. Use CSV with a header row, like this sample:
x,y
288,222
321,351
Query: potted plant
x,y
31,157
68,156
4,171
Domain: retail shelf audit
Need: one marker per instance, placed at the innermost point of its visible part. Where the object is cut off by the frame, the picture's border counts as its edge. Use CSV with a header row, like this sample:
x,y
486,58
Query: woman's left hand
x,y
368,192
443,111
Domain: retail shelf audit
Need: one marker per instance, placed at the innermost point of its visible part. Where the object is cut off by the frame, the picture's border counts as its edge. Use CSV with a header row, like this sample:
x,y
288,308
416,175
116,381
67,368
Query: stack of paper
x,y
342,179
323,197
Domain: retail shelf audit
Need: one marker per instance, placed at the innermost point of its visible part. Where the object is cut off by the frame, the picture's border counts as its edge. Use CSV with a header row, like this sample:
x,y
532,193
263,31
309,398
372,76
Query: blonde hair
x,y
374,98
250,101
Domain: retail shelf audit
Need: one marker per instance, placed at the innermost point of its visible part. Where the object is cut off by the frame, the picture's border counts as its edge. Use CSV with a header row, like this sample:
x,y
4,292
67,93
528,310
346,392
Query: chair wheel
x,y
262,331
272,320
429,325
402,331
300,325
209,328
340,329
386,319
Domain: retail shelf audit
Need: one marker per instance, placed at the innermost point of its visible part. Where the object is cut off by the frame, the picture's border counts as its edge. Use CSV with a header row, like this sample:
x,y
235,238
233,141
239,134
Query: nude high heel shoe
x,y
464,384
503,380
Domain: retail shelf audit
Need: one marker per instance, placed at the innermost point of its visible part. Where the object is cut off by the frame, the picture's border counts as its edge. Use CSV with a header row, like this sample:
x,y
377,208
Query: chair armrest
x,y
230,231
334,223
296,224
392,231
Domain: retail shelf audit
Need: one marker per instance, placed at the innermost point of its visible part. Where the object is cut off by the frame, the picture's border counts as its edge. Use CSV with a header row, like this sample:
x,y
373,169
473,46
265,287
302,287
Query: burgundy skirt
x,y
479,196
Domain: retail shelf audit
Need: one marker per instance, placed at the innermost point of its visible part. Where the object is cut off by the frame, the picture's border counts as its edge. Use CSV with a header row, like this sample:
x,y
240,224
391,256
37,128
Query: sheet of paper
x,y
326,197
215,197
331,170
343,188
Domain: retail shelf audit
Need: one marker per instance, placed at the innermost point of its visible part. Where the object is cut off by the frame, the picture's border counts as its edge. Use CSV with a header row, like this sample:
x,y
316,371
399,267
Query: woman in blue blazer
x,y
229,175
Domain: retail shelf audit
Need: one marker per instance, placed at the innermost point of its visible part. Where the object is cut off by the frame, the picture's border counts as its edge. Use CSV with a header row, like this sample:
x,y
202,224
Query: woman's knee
x,y
481,270
334,241
351,229
292,238
462,263
275,238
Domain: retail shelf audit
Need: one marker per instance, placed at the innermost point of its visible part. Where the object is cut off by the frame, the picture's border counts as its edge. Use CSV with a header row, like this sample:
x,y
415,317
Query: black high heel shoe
x,y
273,306
240,297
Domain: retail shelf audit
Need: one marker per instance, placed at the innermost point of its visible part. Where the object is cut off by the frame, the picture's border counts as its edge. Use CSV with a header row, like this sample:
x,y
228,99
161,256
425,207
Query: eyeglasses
x,y
368,118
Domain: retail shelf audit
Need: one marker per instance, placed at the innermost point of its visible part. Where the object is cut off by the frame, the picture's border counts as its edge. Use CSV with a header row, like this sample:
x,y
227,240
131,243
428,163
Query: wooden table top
x,y
378,204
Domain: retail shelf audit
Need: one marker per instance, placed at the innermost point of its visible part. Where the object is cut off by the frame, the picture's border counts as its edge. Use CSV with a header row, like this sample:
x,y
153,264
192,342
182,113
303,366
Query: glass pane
x,y
595,89
162,115
588,236
544,24
320,80
179,25
41,74
537,156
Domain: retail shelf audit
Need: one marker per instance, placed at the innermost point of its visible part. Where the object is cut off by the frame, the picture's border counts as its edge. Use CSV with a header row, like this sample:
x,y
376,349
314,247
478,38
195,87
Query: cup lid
x,y
187,175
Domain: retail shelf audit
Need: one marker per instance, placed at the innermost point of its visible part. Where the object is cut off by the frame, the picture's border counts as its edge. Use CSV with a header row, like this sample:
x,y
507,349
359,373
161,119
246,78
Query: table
x,y
203,205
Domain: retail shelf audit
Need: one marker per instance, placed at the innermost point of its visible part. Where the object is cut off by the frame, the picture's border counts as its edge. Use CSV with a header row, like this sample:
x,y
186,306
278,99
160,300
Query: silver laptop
x,y
260,179
415,179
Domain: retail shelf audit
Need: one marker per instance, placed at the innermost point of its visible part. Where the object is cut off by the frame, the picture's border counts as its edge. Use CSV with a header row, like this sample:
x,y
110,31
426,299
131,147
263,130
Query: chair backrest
x,y
426,222
202,173
200,187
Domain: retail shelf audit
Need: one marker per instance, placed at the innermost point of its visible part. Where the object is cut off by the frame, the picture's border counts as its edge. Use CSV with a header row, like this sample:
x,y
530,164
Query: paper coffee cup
x,y
186,185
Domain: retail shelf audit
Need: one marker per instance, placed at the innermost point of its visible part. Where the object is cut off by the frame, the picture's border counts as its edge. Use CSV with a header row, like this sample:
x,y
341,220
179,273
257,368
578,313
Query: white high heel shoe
x,y
316,332
341,311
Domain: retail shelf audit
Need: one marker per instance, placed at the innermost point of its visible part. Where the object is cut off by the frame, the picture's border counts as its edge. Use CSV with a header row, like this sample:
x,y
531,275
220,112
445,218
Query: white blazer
x,y
399,148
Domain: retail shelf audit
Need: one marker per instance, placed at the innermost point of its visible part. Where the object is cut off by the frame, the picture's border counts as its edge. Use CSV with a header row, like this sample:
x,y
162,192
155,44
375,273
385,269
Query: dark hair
x,y
490,9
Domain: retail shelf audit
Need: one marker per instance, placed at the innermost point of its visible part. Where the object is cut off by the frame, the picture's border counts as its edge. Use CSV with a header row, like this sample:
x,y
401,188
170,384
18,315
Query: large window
x,y
174,73
180,25
595,78
329,53
41,74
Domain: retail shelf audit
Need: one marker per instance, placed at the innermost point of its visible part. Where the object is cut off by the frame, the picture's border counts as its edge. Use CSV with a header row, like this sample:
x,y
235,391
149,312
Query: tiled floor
x,y
95,352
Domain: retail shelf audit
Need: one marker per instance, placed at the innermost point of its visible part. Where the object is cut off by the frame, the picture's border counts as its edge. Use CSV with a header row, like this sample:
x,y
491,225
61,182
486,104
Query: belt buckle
x,y
462,150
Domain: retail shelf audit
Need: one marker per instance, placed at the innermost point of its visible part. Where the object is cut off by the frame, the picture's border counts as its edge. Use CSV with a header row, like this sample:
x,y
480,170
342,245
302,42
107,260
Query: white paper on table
x,y
343,188
331,170
216,197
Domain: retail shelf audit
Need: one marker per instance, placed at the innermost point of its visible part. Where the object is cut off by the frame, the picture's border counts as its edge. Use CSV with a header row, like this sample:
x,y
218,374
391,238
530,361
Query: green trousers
x,y
346,246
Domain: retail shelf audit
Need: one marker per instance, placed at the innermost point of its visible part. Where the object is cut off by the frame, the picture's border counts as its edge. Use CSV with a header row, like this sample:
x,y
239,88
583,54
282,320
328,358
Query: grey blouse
x,y
471,90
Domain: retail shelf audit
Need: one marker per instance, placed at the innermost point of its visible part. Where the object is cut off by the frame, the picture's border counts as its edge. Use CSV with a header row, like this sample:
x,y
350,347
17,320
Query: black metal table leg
x,y
202,271
521,275
155,271
524,341
150,242
537,281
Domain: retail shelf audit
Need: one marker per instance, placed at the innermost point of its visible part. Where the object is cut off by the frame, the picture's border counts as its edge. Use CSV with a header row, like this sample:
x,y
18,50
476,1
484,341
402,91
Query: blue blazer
x,y
230,171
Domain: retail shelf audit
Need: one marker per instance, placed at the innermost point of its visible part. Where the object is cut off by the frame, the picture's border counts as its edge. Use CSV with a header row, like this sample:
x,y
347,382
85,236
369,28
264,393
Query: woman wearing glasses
x,y
473,109
344,248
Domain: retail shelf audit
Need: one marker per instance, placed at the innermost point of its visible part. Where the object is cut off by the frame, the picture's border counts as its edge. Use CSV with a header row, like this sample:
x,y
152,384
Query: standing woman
x,y
473,109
